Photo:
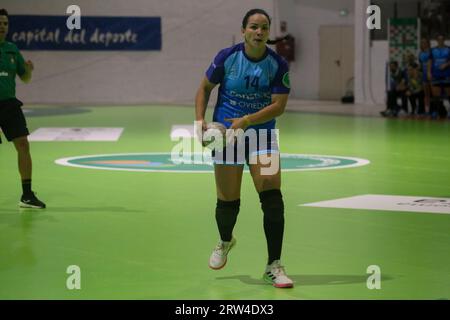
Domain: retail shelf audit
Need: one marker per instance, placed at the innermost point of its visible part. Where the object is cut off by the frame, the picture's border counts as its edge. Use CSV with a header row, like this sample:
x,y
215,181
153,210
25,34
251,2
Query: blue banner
x,y
32,32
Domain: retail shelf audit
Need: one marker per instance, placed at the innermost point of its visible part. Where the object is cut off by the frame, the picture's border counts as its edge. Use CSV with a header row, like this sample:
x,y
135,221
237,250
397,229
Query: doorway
x,y
336,61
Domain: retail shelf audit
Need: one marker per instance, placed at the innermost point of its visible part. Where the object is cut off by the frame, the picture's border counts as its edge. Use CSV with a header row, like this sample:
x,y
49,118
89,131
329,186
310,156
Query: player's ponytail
x,y
272,42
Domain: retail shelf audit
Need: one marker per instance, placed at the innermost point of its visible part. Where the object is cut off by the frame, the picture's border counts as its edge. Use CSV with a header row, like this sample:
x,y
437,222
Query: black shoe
x,y
30,201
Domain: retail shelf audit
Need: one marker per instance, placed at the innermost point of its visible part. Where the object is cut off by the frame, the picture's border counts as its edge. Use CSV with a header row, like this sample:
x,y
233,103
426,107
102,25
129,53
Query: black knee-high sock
x,y
434,104
273,208
26,187
226,216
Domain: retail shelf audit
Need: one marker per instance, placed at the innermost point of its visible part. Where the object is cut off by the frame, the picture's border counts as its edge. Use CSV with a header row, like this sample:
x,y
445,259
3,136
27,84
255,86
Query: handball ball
x,y
214,130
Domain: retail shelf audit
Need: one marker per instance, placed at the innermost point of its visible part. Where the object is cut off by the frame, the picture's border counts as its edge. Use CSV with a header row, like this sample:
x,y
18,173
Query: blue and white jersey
x,y
439,57
246,85
424,57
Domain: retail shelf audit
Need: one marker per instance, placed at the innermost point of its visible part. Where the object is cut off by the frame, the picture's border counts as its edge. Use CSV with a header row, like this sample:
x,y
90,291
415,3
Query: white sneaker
x,y
218,258
402,113
276,276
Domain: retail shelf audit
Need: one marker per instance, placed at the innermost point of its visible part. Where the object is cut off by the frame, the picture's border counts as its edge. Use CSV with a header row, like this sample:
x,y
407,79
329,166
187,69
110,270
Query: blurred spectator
x,y
439,74
397,89
409,59
424,57
414,90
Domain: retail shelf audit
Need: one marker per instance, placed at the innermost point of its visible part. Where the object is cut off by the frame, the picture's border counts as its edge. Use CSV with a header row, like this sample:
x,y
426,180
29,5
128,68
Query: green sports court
x,y
148,235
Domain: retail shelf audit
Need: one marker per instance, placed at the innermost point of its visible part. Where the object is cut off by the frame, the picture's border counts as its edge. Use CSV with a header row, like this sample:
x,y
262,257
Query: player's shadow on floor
x,y
311,279
71,210
92,209
54,111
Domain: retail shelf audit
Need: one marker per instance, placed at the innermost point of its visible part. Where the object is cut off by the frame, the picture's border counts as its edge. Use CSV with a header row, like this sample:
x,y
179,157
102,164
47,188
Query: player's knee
x,y
228,207
436,92
269,182
228,195
228,204
22,144
272,204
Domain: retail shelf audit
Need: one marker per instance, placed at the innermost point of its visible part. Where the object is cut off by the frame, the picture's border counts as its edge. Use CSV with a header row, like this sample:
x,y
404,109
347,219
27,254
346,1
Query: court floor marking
x,y
331,160
381,202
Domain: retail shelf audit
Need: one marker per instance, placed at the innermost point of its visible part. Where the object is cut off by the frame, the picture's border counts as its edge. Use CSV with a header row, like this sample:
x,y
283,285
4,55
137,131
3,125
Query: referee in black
x,y
12,120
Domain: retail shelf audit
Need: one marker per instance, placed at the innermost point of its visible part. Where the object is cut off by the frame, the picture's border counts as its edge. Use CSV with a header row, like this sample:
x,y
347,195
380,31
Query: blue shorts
x,y
440,81
245,148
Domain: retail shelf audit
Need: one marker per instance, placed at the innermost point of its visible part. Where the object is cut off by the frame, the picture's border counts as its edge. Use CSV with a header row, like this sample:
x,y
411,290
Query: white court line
x,y
388,203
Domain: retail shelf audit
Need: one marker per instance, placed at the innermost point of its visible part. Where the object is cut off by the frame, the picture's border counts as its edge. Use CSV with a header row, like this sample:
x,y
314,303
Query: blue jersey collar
x,y
251,59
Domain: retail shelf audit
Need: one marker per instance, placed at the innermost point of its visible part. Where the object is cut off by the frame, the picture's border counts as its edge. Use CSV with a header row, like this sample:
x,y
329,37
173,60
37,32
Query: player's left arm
x,y
280,92
24,68
28,70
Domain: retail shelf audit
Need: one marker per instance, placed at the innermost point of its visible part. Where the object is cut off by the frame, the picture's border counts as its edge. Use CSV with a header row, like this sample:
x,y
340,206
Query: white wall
x,y
192,33
379,57
304,19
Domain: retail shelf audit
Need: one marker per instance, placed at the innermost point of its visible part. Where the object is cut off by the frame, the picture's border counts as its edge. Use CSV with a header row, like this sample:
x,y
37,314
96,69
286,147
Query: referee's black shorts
x,y
12,120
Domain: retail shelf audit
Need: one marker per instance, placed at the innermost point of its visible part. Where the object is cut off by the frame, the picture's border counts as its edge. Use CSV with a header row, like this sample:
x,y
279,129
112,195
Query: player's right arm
x,y
201,103
213,76
202,98
24,68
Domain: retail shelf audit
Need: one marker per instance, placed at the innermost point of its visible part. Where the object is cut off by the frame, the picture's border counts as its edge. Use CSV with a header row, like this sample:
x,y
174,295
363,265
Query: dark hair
x,y
259,11
3,12
252,12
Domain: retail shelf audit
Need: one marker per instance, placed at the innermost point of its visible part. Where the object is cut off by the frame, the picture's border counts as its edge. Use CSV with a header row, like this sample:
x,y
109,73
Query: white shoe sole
x,y
278,285
29,206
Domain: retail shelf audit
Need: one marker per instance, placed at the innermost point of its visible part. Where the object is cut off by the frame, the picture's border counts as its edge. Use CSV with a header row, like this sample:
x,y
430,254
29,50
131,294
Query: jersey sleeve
x,y
20,63
281,83
216,70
